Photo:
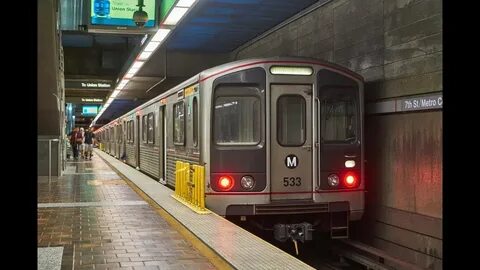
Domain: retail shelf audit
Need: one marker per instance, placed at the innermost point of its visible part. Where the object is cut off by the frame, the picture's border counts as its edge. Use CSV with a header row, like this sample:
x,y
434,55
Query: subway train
x,y
281,140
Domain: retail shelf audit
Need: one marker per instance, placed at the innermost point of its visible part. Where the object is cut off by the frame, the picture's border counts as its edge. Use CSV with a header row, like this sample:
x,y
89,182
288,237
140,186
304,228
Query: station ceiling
x,y
224,25
212,29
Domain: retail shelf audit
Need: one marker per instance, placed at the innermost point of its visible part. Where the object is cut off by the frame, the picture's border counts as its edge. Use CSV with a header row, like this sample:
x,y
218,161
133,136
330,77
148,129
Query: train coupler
x,y
299,232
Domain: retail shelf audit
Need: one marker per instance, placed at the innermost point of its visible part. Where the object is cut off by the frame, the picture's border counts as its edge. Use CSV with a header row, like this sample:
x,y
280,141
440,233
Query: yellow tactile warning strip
x,y
206,251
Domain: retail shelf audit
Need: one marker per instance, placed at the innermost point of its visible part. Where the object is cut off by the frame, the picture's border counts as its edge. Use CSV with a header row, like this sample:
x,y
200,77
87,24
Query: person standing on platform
x,y
82,144
79,141
89,141
73,142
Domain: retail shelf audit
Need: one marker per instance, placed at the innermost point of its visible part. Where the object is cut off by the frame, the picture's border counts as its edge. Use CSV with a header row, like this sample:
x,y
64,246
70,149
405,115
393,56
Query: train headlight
x,y
349,163
333,180
247,182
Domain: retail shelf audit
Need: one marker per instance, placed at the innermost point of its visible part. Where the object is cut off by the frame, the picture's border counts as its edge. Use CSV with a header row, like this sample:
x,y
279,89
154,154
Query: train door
x,y
117,137
291,142
120,136
161,143
110,136
137,143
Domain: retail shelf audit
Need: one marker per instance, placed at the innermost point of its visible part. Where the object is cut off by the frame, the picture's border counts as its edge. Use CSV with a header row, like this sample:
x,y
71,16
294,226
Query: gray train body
x,y
279,133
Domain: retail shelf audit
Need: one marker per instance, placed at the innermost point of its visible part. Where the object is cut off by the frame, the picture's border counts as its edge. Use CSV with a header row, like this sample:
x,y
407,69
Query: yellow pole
x,y
197,185
177,178
202,188
185,180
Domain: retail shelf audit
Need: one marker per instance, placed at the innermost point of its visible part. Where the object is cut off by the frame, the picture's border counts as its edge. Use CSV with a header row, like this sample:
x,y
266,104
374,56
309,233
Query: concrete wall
x,y
50,83
48,54
397,46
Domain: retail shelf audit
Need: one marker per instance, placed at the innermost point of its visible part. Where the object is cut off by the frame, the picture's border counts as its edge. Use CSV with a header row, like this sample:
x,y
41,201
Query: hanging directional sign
x,y
88,84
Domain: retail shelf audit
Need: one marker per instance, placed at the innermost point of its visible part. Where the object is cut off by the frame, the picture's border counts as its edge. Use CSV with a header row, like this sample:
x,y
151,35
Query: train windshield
x,y
237,120
339,114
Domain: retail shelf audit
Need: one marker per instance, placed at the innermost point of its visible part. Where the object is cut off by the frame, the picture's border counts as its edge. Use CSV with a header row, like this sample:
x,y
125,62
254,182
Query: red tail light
x,y
350,180
225,183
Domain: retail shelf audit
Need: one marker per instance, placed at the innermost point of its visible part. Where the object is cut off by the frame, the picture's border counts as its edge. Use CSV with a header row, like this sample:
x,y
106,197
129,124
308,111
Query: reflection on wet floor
x,y
101,223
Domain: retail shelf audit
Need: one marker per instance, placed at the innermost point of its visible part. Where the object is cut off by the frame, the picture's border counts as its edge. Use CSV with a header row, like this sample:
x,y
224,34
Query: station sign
x,y
421,103
414,103
88,84
84,100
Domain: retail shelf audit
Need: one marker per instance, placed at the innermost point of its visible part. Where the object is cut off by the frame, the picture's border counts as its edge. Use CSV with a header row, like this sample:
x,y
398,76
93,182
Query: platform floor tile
x,y
101,223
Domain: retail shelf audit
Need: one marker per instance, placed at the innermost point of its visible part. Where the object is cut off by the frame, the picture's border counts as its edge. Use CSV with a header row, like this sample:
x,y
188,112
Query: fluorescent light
x,y
185,3
120,86
160,35
115,93
144,39
175,15
144,55
124,81
152,45
110,100
133,70
138,64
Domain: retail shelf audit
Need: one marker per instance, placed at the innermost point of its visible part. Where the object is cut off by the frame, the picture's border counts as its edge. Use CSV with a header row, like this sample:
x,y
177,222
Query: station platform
x,y
104,214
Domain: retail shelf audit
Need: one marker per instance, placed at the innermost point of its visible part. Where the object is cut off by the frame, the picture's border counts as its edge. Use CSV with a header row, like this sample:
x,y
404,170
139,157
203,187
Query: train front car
x,y
285,145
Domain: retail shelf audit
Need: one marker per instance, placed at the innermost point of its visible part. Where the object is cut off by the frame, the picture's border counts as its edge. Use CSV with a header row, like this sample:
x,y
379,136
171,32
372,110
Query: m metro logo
x,y
291,161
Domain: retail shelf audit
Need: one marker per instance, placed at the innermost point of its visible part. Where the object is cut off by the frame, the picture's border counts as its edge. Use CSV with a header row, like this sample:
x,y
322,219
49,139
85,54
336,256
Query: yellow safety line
x,y
189,205
218,261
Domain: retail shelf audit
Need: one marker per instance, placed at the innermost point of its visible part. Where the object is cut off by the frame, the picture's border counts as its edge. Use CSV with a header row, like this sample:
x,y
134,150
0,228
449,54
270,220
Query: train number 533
x,y
292,181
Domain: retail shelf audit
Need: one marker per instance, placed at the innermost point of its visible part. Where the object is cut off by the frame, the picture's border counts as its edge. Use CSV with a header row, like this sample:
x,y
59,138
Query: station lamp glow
x,y
144,55
185,3
152,45
137,64
175,15
160,35
115,93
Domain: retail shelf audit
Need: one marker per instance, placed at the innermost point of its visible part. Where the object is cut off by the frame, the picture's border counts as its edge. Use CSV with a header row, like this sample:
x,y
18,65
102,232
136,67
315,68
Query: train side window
x,y
195,122
120,133
179,123
237,120
130,131
144,128
151,128
291,114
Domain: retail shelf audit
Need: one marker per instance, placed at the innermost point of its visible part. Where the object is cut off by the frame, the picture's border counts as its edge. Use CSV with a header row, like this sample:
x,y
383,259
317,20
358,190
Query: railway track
x,y
328,254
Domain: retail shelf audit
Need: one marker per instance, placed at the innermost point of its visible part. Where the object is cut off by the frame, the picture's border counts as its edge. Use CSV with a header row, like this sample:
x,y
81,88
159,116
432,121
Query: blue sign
x,y
90,110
